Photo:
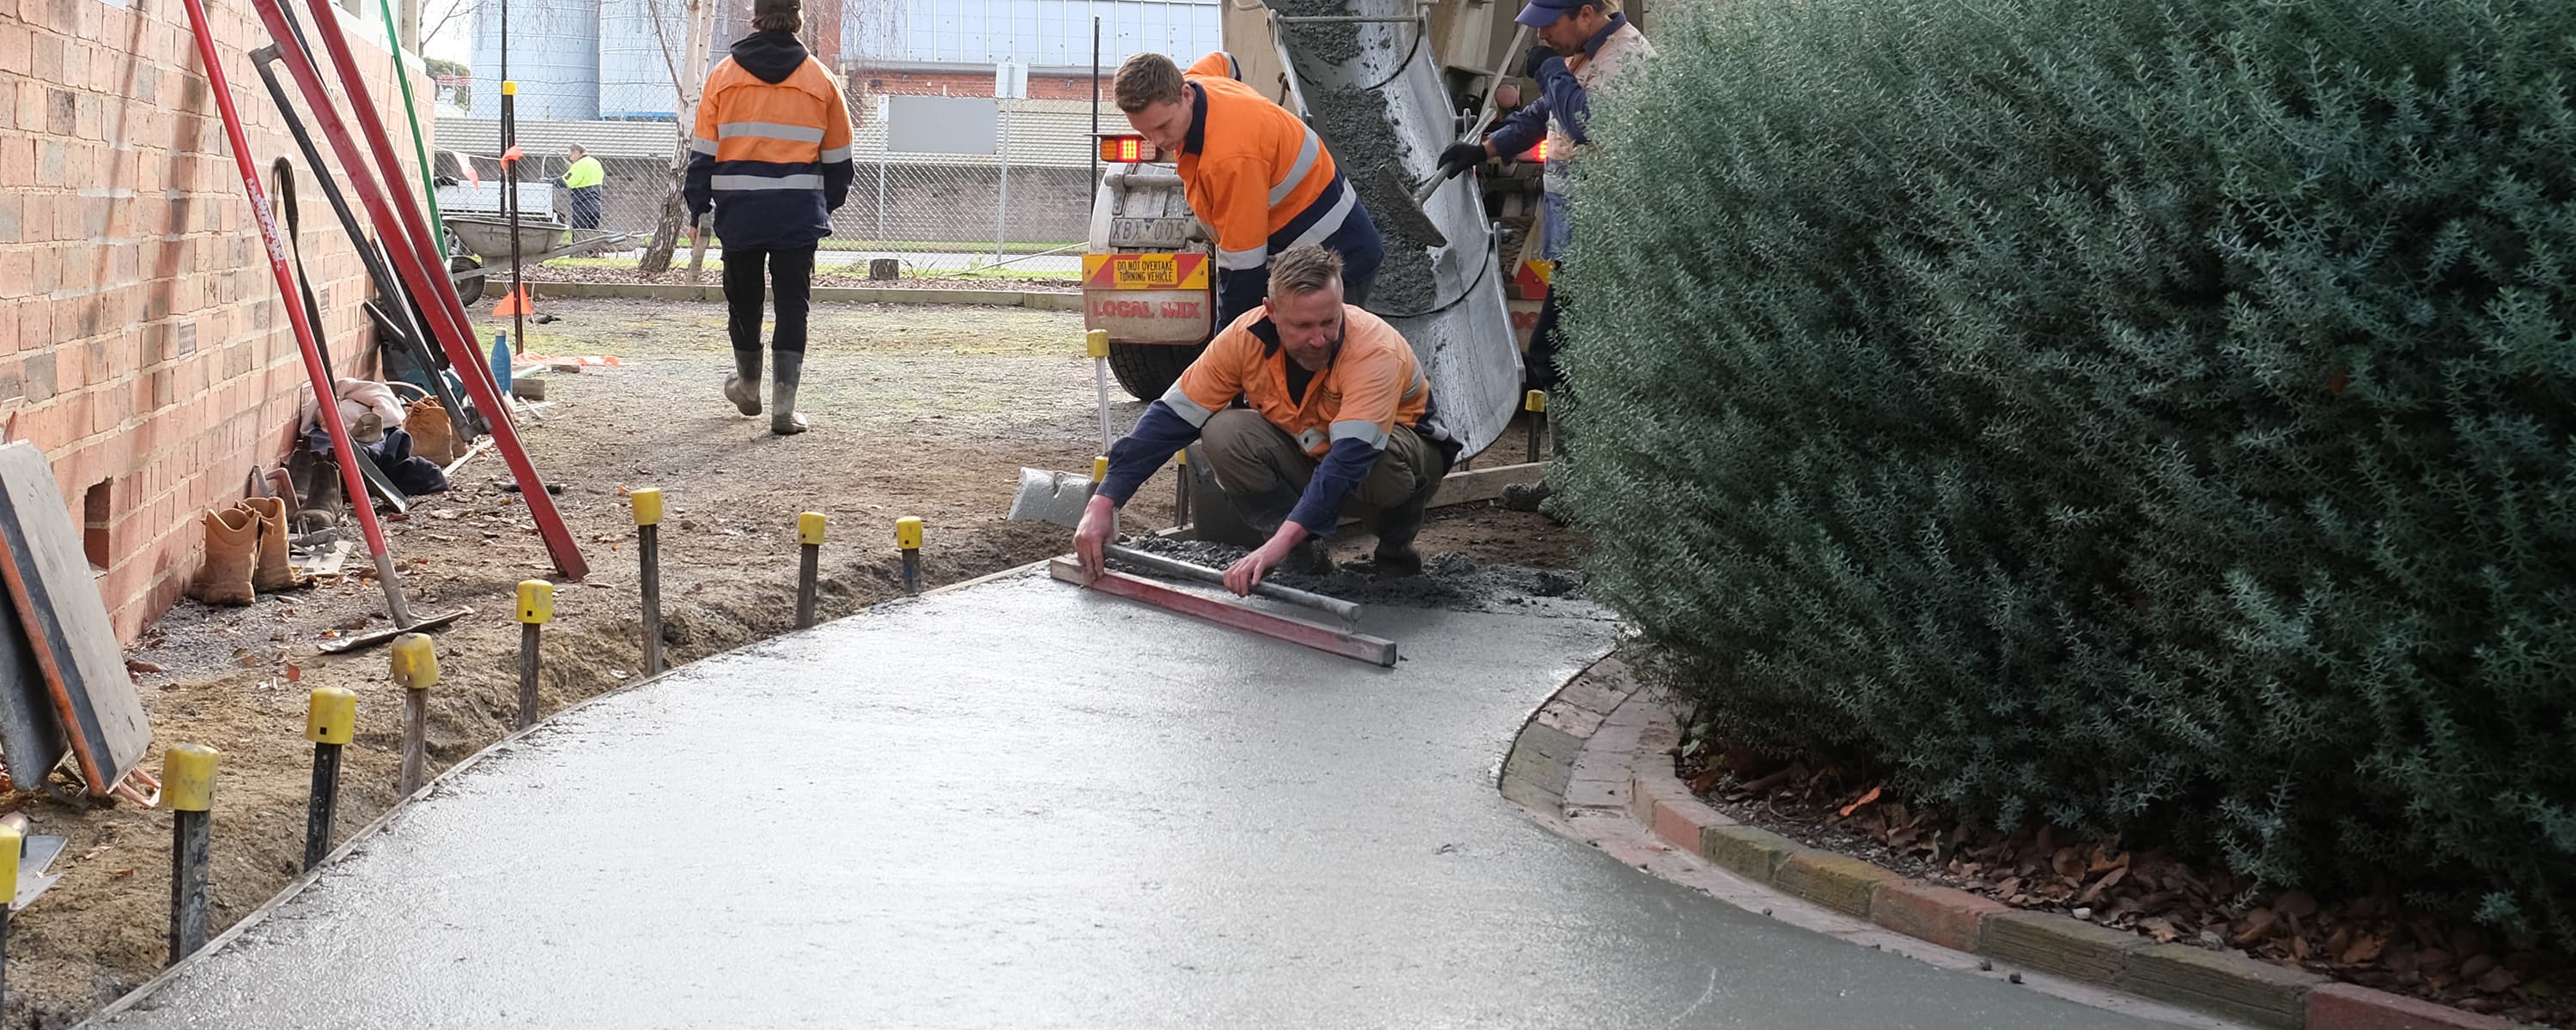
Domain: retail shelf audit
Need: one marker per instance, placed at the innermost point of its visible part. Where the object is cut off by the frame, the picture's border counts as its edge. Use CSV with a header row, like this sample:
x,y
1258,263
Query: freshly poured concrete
x,y
1022,805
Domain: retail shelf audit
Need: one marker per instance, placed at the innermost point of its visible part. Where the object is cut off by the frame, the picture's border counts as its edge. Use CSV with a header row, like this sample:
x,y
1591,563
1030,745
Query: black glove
x,y
1463,155
1538,55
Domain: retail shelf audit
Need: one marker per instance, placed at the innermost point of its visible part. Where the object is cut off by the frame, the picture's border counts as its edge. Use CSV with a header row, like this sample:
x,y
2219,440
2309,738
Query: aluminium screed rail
x,y
413,248
324,391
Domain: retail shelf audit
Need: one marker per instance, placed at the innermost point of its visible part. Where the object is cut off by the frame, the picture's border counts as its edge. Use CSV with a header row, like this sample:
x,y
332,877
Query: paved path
x,y
1021,805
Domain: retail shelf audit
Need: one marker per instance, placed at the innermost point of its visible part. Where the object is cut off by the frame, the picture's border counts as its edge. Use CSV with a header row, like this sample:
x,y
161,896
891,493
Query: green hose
x,y
420,149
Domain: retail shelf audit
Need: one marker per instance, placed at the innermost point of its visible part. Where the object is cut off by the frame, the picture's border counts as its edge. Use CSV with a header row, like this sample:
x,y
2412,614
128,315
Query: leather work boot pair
x,y
742,387
246,553
433,433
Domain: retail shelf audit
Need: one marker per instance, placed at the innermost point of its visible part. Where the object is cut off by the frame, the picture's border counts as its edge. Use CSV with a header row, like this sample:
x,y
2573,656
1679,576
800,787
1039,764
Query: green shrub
x,y
2143,416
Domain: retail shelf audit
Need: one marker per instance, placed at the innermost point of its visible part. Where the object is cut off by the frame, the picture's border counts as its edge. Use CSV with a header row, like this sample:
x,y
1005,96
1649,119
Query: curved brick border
x,y
1601,747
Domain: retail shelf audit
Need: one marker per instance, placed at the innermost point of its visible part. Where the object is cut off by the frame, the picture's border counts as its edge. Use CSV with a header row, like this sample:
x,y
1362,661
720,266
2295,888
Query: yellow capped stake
x,y
1096,343
648,506
331,715
415,662
1536,400
809,528
509,88
536,602
1100,469
907,533
1181,457
10,841
188,777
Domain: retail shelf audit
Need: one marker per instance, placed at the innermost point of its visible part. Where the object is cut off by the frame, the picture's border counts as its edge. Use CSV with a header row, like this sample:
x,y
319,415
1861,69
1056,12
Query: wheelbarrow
x,y
488,241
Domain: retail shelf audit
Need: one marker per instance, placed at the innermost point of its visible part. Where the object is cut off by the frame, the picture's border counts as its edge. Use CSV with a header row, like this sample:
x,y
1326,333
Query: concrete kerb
x,y
1659,826
1038,299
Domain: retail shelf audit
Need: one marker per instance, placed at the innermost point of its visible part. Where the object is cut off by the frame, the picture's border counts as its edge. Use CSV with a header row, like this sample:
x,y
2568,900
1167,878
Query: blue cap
x,y
1543,13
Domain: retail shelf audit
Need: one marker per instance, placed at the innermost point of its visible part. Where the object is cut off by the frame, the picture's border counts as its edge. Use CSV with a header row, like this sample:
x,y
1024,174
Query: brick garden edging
x,y
1602,746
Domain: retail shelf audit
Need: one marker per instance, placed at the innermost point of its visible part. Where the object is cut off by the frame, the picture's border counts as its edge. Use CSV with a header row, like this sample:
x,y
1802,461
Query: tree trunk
x,y
689,78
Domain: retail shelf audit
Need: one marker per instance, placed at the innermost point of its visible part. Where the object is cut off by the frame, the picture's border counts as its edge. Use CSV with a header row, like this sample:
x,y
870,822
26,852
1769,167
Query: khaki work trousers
x,y
1254,460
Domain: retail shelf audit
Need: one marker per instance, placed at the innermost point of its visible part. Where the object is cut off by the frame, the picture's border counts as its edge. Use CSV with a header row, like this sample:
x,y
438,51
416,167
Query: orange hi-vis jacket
x,y
1351,408
772,148
1262,181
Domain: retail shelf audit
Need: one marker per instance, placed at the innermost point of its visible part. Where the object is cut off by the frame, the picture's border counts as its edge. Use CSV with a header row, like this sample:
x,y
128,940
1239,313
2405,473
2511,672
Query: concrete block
x,y
1945,916
1572,720
2348,1007
1838,882
2229,985
1746,851
2068,947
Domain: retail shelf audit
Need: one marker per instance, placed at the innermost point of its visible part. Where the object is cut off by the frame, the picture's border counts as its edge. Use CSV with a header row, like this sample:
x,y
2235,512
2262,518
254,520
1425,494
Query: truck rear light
x,y
1537,153
1128,149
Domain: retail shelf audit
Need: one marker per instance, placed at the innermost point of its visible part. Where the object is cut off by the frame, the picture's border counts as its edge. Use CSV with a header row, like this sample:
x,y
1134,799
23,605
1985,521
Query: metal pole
x,y
415,670
809,537
536,605
188,787
1002,210
330,722
648,555
1535,402
1181,488
1346,610
1095,110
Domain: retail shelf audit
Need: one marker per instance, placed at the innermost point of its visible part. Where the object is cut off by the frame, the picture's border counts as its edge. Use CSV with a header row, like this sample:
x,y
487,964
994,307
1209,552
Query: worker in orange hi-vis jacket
x,y
1334,408
1259,177
772,157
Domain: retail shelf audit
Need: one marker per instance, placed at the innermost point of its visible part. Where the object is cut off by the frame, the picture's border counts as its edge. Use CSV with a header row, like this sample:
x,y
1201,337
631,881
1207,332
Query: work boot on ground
x,y
742,385
270,571
232,545
1396,555
1308,558
1526,496
433,436
784,419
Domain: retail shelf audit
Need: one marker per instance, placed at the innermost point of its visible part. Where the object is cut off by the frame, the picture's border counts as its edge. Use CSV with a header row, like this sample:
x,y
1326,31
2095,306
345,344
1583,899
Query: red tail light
x,y
1127,149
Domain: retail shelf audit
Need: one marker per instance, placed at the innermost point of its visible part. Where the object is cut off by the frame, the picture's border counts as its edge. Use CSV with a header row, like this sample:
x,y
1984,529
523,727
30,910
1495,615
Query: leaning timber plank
x,y
1376,650
1485,484
66,621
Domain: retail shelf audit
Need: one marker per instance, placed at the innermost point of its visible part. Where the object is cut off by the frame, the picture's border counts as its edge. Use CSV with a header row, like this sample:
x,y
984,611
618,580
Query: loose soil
x,y
2375,939
927,411
712,275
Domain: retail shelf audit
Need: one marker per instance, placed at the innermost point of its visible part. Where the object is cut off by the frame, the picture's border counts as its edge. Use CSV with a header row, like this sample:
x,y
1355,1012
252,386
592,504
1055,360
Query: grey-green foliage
x,y
2131,416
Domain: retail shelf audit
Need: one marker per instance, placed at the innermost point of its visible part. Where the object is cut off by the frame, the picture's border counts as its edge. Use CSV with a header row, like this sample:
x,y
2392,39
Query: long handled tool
x,y
1346,611
697,254
413,248
367,468
1374,650
407,331
325,396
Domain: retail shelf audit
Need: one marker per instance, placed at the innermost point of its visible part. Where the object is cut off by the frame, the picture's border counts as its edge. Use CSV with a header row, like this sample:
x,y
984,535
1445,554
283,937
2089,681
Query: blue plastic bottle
x,y
501,361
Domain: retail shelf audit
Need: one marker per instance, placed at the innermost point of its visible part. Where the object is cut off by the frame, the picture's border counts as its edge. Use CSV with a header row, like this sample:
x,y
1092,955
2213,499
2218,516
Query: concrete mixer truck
x,y
1387,84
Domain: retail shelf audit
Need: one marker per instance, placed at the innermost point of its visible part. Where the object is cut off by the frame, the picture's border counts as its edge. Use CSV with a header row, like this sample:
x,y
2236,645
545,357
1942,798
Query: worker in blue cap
x,y
1585,47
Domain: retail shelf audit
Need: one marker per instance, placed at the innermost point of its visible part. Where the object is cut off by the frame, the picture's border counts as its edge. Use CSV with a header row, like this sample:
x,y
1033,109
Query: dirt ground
x,y
927,411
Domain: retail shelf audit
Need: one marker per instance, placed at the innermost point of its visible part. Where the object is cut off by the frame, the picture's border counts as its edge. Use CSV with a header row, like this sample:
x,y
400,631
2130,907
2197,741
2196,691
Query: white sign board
x,y
1011,80
941,125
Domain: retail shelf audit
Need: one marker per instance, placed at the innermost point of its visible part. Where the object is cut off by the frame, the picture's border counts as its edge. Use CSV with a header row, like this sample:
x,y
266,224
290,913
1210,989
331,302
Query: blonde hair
x,y
1304,269
1145,80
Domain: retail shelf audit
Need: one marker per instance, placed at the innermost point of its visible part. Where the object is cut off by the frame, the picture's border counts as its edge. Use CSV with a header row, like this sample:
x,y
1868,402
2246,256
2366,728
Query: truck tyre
x,y
1147,370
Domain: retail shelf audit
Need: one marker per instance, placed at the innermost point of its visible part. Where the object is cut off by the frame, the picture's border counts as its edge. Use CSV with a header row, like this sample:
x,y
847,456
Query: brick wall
x,y
141,341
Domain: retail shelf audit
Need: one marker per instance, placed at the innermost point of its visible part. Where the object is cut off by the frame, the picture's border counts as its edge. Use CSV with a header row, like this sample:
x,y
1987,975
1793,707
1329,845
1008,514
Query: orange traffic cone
x,y
514,303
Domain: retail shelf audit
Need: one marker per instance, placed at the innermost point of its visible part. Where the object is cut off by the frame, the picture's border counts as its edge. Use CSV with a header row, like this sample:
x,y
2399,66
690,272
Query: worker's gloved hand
x,y
1463,155
1091,538
1538,57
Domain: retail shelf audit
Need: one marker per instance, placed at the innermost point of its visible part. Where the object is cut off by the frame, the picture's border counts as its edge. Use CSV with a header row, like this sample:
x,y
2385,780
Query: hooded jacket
x,y
771,152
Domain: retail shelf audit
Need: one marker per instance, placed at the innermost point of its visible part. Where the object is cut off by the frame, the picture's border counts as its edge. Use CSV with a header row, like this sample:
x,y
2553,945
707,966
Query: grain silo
x,y
640,42
554,57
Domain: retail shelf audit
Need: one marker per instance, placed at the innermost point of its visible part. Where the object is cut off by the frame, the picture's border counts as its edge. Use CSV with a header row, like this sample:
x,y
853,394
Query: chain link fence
x,y
602,74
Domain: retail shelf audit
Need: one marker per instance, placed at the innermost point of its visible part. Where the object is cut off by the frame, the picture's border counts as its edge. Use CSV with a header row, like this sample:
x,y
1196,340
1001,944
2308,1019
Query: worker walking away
x,y
1260,179
582,183
1584,46
772,156
1335,408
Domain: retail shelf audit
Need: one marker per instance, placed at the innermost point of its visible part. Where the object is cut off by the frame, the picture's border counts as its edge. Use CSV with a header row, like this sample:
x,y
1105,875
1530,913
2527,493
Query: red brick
x,y
1944,916
1681,820
2347,1007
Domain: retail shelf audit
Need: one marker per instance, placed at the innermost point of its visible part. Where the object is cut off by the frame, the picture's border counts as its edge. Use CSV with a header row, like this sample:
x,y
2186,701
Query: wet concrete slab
x,y
1022,805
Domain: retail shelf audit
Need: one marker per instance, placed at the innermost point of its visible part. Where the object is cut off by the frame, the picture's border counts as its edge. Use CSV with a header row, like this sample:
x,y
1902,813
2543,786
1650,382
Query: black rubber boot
x,y
1526,496
1265,511
742,385
1396,528
784,419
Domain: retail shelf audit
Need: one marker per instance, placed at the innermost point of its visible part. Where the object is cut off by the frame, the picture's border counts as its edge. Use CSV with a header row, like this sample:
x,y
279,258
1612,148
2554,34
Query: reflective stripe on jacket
x,y
1372,385
772,158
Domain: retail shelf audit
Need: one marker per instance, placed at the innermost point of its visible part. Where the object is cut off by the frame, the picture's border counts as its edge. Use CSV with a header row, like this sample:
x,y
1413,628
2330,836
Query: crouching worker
x,y
1335,409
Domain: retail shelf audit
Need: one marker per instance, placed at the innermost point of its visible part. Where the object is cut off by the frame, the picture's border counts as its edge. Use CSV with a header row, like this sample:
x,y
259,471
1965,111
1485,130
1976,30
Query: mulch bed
x,y
2376,940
